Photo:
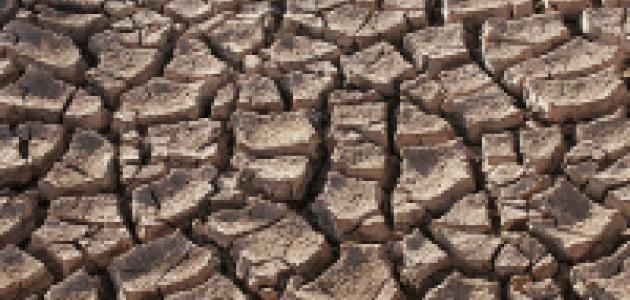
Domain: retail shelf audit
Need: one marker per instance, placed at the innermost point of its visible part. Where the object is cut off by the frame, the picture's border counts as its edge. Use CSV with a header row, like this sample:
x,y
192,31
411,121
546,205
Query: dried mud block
x,y
280,178
79,285
578,57
258,93
458,287
498,149
578,98
512,199
437,48
353,97
288,247
600,140
134,170
193,61
287,133
8,71
606,25
522,254
189,11
620,199
35,96
508,42
417,128
17,217
224,102
354,24
424,92
605,278
380,67
523,287
171,202
464,232
28,151
363,160
367,121
143,29
229,194
237,34
350,209
162,267
308,88
78,26
86,111
362,271
159,101
82,231
542,148
485,111
570,224
418,259
432,178
290,53
79,5
464,81
217,287
474,12
227,225
188,143
87,167
29,44
567,7
120,69
614,176
21,275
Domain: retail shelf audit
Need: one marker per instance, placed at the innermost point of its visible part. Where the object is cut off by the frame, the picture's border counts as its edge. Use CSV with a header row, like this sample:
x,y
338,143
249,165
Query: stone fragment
x,y
362,271
437,48
458,287
87,167
159,101
508,42
162,267
35,96
81,232
570,224
432,178
79,285
172,201
21,275
31,45
379,66
349,209
29,151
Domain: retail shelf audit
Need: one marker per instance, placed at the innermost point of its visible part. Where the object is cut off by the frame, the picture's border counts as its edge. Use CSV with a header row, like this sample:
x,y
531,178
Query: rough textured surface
x,y
314,149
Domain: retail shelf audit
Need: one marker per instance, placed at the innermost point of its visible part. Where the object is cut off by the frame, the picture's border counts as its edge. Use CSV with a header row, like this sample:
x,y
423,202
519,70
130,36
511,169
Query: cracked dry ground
x,y
314,149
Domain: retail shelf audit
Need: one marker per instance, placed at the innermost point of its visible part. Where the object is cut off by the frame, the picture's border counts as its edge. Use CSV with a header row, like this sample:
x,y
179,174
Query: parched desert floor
x,y
314,149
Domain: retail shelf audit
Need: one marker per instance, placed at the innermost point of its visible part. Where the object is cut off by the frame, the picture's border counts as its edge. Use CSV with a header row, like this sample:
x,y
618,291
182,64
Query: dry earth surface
x,y
314,149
